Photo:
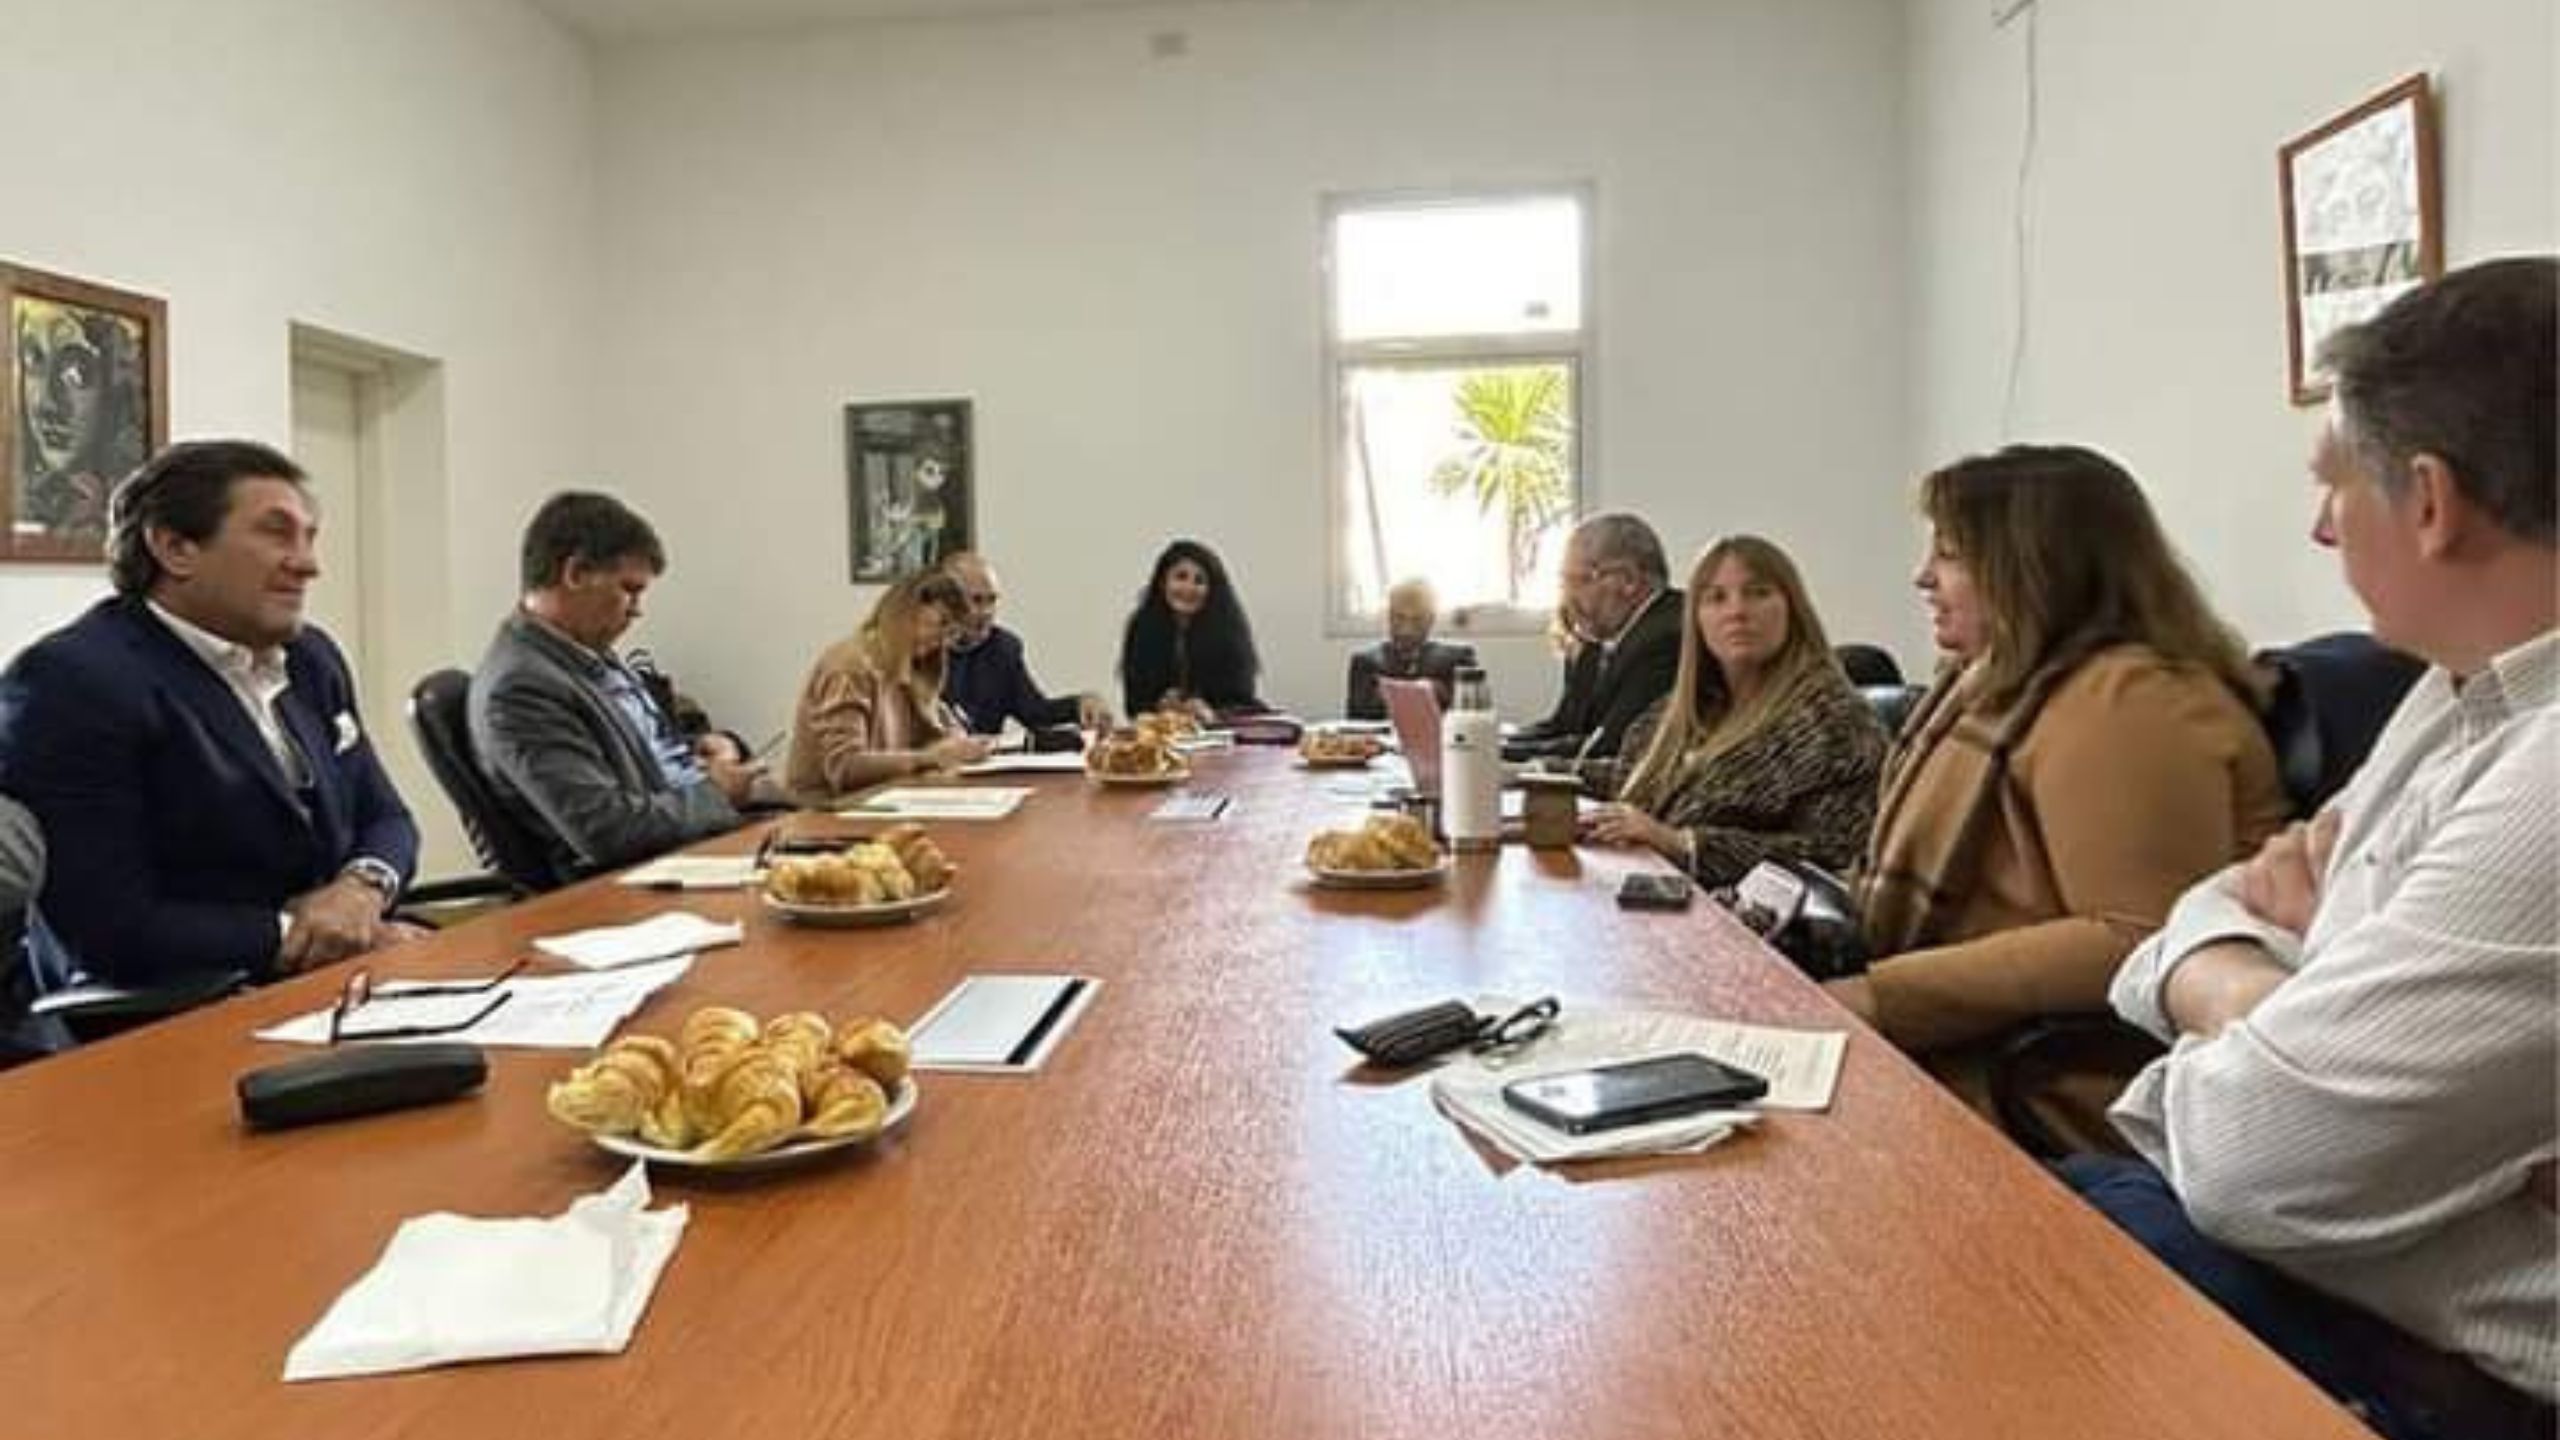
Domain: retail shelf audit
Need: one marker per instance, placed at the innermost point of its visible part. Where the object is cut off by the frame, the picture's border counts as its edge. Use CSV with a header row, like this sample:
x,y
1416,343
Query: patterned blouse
x,y
1803,789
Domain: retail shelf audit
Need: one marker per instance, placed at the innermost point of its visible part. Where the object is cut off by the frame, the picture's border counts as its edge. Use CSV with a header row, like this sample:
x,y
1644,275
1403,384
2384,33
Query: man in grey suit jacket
x,y
568,736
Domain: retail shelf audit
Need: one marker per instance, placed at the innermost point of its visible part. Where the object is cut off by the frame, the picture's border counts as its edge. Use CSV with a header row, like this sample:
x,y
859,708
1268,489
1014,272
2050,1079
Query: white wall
x,y
413,172
1116,256
2156,294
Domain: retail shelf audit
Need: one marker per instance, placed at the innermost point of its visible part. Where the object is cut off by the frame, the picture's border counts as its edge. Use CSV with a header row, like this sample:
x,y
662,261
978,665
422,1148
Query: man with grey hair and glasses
x,y
1625,623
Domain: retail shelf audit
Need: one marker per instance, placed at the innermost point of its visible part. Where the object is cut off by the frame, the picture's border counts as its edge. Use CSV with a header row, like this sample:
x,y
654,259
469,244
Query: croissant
x,y
876,1048
715,1028
752,1104
802,1040
1408,845
713,1038
620,1092
924,860
845,1101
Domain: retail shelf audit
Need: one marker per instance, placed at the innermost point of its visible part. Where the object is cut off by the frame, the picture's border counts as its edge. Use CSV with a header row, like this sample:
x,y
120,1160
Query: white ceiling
x,y
631,19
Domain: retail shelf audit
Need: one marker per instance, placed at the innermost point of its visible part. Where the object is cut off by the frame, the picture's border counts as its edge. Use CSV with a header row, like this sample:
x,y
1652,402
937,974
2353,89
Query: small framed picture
x,y
2362,221
909,474
88,373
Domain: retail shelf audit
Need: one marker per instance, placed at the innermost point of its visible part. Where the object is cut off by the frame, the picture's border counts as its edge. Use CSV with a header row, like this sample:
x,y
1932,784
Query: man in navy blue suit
x,y
209,798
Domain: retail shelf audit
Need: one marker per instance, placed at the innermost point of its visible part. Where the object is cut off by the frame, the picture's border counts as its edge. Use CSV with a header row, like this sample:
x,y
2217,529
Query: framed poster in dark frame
x,y
910,485
2363,221
87,401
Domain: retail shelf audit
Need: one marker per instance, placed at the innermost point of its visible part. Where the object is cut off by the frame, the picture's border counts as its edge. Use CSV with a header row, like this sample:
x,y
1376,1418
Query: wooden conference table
x,y
1195,1222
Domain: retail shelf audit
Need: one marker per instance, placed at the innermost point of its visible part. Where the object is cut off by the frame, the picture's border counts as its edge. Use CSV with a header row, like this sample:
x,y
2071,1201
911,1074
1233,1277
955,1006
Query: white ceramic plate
x,y
1161,777
850,916
1380,879
790,1152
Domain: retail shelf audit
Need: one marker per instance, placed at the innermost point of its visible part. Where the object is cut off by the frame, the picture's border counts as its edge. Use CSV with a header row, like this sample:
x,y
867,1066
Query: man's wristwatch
x,y
372,872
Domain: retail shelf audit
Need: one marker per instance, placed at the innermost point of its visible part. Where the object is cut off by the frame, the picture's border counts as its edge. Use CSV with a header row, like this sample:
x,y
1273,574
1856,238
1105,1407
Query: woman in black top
x,y
1188,645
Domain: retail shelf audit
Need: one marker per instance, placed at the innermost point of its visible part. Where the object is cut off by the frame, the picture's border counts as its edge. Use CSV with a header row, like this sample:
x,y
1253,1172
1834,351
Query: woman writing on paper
x,y
872,707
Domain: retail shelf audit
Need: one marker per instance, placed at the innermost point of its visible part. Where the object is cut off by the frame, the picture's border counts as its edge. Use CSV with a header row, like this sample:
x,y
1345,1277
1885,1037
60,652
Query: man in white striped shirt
x,y
2350,1145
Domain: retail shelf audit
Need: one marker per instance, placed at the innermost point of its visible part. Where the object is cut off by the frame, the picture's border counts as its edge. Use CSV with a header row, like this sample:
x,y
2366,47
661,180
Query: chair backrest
x,y
1892,704
1868,665
439,715
2333,694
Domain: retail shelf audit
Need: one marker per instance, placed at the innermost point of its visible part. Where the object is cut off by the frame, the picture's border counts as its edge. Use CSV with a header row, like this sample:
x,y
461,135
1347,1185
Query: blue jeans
x,y
2400,1387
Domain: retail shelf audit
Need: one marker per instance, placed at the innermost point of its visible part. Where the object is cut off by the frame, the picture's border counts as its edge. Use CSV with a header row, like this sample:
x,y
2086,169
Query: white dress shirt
x,y
256,678
2370,1127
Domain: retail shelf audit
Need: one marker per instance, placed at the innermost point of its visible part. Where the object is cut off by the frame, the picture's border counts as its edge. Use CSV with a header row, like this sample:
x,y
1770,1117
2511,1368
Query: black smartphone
x,y
1654,890
1657,1088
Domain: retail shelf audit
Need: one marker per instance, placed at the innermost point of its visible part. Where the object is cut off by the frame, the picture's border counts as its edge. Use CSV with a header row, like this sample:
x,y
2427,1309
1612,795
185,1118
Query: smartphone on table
x,y
1659,1087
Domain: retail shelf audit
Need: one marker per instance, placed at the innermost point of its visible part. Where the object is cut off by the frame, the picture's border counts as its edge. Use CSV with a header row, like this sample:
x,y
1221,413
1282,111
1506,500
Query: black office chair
x,y
2332,696
2329,699
1867,665
439,715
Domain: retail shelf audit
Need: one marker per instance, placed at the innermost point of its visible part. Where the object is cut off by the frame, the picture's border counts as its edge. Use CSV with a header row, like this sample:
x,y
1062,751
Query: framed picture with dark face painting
x,y
909,478
87,401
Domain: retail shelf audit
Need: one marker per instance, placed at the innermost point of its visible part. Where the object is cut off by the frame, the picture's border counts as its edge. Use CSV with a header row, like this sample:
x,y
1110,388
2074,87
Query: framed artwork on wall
x,y
2362,221
909,482
87,401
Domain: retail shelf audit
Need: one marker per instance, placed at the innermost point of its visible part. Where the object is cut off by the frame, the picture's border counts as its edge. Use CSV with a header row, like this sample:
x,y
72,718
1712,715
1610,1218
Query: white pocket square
x,y
348,732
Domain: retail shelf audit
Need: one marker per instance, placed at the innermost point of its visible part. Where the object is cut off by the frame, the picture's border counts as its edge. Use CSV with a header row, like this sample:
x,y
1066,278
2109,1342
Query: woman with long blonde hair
x,y
1762,750
872,707
2091,747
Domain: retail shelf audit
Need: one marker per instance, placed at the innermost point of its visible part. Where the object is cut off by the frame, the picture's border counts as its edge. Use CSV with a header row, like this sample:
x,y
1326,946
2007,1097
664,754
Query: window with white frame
x,y
1457,347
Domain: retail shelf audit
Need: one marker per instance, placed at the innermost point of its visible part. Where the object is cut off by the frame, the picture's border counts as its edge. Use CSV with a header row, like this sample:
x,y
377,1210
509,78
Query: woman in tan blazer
x,y
872,707
2090,748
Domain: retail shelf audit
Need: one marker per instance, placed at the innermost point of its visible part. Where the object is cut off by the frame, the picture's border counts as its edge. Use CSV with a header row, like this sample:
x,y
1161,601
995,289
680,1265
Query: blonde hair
x,y
2069,560
1700,722
888,635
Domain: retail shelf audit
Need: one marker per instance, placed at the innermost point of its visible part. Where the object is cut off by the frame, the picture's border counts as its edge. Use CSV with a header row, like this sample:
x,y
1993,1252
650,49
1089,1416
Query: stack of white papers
x,y
561,1012
695,872
450,1288
1801,1066
941,802
660,937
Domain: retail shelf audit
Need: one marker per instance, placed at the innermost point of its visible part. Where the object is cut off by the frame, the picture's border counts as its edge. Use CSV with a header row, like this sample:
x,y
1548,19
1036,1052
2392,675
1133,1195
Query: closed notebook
x,y
1001,1023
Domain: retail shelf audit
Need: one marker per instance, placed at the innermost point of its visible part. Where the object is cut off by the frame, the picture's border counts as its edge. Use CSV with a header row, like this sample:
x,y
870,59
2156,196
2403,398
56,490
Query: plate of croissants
x,y
1335,750
898,876
1136,757
731,1092
1387,852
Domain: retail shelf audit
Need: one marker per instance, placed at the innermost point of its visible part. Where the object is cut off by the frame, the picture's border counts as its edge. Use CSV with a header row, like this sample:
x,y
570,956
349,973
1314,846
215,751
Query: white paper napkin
x,y
450,1288
677,932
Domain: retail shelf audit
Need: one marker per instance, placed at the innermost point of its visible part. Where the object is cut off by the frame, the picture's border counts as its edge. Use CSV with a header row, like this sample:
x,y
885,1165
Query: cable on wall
x,y
2018,225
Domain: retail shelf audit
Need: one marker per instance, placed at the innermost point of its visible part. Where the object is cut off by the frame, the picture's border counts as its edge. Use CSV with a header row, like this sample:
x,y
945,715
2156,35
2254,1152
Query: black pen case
x,y
360,1081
